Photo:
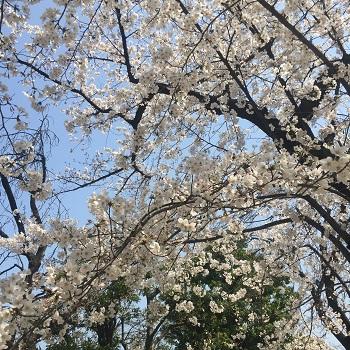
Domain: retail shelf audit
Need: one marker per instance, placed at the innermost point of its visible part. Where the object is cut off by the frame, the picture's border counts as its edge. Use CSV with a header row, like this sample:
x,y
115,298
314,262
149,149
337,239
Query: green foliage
x,y
254,315
269,304
84,338
71,343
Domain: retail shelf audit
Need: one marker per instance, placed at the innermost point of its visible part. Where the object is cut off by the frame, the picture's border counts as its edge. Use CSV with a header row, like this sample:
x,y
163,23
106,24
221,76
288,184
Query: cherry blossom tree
x,y
229,122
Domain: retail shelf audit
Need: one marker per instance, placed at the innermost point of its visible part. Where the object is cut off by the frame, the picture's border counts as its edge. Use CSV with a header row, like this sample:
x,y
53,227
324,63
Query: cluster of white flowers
x,y
186,225
22,146
97,316
185,306
34,184
215,308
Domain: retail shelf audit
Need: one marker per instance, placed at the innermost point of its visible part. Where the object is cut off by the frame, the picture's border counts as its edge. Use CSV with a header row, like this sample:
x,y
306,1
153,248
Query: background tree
x,y
216,308
228,310
117,318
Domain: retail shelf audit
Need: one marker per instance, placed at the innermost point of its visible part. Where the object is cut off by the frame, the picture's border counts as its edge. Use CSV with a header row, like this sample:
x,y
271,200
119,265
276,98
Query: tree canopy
x,y
216,307
195,124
